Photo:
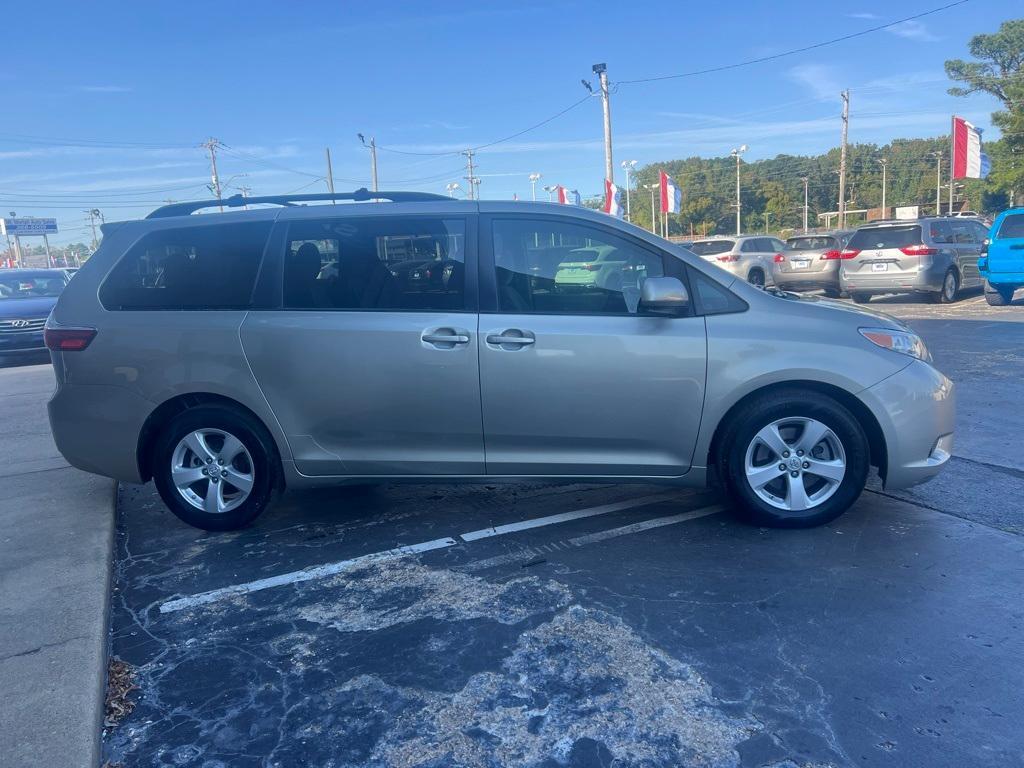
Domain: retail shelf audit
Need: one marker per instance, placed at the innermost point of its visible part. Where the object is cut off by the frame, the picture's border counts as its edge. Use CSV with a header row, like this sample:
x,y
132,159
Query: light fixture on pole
x,y
627,166
476,187
534,178
654,216
736,153
451,186
549,189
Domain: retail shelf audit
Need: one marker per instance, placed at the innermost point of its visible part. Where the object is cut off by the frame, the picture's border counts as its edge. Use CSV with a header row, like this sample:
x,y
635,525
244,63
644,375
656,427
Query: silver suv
x,y
811,262
746,256
936,257
227,356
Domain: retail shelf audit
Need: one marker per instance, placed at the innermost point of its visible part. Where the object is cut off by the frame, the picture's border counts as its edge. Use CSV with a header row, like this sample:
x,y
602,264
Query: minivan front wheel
x,y
794,459
214,468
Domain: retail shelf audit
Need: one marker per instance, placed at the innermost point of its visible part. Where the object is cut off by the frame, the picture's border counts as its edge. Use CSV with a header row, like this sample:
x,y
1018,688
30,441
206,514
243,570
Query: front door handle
x,y
445,338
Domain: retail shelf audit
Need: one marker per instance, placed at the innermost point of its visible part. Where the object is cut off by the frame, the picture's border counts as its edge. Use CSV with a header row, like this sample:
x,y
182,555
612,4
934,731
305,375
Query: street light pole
x,y
805,179
938,183
652,187
627,166
549,189
534,178
736,153
451,186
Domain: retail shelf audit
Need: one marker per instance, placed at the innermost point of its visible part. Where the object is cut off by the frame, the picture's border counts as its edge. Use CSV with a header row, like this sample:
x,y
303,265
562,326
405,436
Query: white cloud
x,y
104,88
817,78
913,30
863,15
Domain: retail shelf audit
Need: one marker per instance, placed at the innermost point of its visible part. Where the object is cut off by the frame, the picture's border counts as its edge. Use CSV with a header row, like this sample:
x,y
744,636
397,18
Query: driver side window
x,y
558,267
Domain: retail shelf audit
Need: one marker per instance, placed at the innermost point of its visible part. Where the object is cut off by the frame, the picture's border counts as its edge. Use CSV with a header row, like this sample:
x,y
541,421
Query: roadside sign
x,y
28,225
908,212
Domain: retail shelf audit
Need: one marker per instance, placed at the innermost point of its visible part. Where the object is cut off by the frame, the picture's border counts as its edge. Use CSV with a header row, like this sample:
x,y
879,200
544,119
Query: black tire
x,y
756,277
833,293
257,441
950,290
796,403
1000,296
860,298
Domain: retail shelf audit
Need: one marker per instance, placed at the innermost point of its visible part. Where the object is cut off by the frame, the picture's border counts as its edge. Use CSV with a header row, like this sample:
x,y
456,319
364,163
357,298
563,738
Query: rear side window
x,y
1012,227
886,237
711,247
376,263
940,232
208,267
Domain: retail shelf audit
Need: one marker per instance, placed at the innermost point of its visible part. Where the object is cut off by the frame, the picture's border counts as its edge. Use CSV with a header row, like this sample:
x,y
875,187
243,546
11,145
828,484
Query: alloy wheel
x,y
212,470
795,464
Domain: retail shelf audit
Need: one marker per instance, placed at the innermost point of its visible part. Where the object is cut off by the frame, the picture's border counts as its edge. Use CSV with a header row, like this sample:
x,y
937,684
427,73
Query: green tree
x,y
999,71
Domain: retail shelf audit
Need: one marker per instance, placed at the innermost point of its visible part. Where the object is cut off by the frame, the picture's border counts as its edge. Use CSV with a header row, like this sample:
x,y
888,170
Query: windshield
x,y
886,237
711,247
810,243
30,286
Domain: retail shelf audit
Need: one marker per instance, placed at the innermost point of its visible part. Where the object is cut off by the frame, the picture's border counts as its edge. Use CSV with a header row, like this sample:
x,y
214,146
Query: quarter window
x,y
198,267
553,267
376,263
1012,227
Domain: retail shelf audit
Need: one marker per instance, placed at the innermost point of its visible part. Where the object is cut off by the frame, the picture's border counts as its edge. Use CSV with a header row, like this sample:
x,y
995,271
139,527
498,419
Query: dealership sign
x,y
29,225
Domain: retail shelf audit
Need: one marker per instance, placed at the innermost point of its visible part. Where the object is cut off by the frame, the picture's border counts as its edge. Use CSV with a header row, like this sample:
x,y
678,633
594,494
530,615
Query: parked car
x,y
192,350
1002,265
26,298
811,262
745,256
936,257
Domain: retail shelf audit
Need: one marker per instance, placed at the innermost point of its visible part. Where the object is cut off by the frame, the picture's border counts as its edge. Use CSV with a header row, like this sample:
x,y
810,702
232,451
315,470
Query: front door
x,y
576,379
371,362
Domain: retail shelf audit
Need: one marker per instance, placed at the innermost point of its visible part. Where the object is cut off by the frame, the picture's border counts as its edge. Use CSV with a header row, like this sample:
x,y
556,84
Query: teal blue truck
x,y
1002,262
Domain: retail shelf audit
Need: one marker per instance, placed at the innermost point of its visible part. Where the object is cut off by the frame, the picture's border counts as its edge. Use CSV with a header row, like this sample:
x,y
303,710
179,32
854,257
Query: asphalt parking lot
x,y
596,625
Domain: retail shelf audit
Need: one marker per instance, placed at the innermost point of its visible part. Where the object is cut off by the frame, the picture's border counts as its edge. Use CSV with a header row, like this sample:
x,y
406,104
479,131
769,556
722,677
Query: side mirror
x,y
664,294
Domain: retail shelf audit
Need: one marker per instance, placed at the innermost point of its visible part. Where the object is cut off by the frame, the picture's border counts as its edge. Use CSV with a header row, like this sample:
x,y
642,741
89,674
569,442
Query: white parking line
x,y
538,522
306,574
646,525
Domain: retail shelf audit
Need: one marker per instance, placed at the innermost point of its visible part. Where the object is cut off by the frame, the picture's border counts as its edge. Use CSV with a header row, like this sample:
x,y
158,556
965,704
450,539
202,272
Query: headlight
x,y
904,342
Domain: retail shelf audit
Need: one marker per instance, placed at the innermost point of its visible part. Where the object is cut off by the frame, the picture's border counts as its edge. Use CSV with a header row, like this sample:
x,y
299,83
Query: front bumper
x,y
916,409
15,342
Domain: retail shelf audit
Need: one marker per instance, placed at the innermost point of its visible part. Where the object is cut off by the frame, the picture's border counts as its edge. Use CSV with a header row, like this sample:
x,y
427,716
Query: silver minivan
x,y
228,356
935,257
749,257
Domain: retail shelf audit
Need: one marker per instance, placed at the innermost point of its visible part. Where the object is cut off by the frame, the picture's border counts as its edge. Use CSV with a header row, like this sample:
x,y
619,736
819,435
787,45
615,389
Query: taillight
x,y
591,267
849,253
779,258
729,257
834,254
68,339
919,250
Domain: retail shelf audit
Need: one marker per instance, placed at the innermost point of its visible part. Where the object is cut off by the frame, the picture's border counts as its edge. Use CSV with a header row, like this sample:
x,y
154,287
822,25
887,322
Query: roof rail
x,y
237,201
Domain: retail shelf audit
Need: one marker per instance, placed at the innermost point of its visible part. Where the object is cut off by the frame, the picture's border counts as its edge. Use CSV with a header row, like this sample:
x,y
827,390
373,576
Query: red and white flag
x,y
671,195
612,205
969,162
566,196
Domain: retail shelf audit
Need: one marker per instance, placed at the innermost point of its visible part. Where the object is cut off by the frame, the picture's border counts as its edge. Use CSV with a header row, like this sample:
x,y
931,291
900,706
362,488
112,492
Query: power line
x,y
794,51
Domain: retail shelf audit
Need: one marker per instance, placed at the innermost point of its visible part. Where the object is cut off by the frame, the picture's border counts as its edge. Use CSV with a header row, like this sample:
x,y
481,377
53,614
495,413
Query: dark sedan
x,y
26,298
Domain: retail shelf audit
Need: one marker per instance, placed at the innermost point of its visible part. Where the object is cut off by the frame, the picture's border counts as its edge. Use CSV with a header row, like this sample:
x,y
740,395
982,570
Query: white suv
x,y
745,256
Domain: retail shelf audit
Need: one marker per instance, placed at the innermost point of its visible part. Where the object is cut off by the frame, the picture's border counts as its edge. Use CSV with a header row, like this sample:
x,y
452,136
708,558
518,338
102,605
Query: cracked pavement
x,y
643,636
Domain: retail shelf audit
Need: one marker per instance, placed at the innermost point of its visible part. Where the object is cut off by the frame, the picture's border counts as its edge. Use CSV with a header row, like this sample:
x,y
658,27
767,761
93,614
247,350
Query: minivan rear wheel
x,y
860,298
793,459
950,288
215,467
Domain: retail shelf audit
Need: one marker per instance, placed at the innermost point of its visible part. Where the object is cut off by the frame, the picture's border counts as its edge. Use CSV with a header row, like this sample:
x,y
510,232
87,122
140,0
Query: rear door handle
x,y
511,337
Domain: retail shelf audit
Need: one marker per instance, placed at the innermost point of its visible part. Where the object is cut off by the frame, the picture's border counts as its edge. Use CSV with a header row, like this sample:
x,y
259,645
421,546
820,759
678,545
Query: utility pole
x,y
372,146
952,162
601,70
470,177
938,183
91,213
736,153
330,173
212,145
653,187
245,195
842,159
805,179
885,166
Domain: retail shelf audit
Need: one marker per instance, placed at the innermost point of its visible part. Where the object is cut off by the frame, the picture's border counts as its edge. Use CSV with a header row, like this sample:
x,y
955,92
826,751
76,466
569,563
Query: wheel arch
x,y
861,412
180,403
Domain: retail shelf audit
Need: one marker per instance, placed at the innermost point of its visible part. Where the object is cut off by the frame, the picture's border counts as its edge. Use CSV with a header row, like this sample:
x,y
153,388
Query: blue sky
x,y
107,104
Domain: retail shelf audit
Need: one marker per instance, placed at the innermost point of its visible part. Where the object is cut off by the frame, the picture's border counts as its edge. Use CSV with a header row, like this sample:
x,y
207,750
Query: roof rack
x,y
237,201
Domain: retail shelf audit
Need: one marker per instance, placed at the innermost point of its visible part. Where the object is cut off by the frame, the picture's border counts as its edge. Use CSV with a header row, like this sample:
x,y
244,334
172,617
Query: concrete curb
x,y
56,559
